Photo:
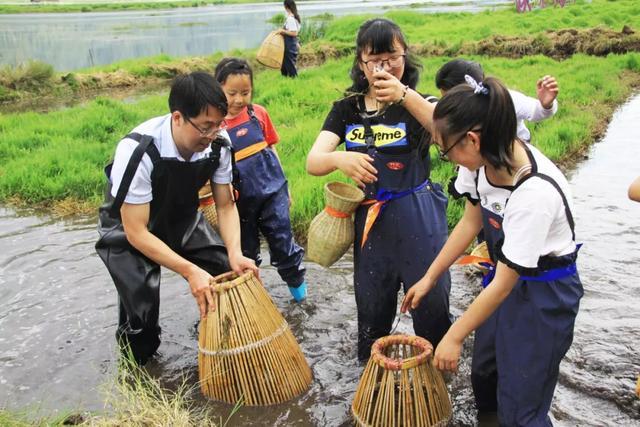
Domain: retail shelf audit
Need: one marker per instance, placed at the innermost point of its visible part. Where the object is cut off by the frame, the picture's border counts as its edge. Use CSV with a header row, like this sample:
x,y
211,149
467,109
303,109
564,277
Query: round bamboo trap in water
x,y
400,386
247,352
208,206
331,232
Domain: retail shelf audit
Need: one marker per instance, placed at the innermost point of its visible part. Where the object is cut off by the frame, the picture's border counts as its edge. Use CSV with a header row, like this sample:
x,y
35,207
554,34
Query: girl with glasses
x,y
524,318
402,224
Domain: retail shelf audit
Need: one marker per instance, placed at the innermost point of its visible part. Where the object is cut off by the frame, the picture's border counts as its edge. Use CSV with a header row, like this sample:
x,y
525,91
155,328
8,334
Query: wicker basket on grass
x,y
331,232
247,352
271,52
207,205
400,386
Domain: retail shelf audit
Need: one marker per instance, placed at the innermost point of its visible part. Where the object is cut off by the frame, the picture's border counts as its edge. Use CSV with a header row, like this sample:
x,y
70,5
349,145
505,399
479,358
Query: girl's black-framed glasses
x,y
444,155
394,61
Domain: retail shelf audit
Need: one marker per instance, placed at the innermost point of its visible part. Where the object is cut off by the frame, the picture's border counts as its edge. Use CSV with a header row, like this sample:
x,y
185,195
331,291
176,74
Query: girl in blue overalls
x,y
290,31
402,224
524,318
263,205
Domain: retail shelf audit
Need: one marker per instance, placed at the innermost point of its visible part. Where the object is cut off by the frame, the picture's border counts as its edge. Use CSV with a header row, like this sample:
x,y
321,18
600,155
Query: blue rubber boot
x,y
300,292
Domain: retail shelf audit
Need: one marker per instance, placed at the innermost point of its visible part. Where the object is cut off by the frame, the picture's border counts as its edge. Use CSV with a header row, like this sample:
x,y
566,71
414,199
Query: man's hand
x,y
547,91
201,290
241,264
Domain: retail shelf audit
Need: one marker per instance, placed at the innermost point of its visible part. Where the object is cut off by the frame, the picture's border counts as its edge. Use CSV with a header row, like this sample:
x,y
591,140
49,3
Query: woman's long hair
x,y
378,36
291,5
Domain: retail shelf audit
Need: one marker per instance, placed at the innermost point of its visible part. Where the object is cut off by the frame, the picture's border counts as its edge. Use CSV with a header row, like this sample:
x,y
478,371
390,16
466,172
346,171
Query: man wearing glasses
x,y
150,216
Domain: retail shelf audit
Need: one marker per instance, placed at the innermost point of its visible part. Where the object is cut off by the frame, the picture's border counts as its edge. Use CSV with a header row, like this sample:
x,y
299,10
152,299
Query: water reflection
x,y
79,40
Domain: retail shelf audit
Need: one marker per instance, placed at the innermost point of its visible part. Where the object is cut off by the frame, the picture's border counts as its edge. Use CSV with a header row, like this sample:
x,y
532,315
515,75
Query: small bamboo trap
x,y
331,231
247,352
207,205
400,386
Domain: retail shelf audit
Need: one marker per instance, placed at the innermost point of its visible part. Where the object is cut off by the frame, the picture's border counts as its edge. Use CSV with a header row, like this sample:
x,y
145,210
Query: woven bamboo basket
x,y
208,206
400,386
271,52
247,352
331,232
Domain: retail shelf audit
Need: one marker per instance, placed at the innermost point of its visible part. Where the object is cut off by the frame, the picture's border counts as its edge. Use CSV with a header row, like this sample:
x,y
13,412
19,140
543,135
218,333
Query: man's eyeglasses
x,y
444,154
209,132
394,61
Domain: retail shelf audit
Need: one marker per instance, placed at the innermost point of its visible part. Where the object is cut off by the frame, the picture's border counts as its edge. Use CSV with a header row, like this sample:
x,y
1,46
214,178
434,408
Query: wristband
x,y
404,95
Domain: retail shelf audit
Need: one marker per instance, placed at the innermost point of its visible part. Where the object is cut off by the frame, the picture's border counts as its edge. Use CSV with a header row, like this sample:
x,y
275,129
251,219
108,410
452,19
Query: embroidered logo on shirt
x,y
395,166
385,135
497,207
241,132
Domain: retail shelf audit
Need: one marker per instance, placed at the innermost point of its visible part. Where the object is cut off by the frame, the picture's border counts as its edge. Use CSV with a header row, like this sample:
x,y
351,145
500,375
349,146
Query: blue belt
x,y
385,195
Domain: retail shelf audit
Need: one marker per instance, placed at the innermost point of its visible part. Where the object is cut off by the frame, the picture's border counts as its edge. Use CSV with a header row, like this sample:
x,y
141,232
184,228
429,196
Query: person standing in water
x,y
264,200
402,224
290,31
525,316
150,217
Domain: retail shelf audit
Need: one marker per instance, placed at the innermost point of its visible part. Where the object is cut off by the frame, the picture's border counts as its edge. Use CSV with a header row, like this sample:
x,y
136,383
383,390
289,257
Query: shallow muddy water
x,y
71,41
58,314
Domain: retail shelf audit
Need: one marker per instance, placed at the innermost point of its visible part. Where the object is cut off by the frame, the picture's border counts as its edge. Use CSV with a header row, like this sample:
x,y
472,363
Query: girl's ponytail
x,y
499,129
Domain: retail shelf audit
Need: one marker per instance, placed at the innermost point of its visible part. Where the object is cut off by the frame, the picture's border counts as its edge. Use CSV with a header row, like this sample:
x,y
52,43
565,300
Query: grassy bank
x,y
596,28
113,6
56,158
59,156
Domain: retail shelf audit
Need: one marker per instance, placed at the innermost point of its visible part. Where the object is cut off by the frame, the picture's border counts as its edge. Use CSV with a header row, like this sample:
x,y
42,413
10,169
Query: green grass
x,y
55,156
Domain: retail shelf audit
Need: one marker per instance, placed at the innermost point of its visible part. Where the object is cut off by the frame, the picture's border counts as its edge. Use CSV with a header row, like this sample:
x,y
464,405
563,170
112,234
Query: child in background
x,y
524,318
263,205
534,110
290,31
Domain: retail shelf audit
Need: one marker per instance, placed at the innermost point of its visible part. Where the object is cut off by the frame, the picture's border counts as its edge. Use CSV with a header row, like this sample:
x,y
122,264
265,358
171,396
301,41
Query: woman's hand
x,y
447,354
388,87
357,166
547,91
415,294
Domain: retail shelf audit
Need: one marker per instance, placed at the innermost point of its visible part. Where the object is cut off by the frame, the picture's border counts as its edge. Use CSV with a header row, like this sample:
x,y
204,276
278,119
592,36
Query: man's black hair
x,y
192,93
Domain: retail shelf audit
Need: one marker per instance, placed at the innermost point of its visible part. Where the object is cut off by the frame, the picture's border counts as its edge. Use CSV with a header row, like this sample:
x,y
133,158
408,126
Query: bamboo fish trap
x,y
331,232
271,51
246,350
207,205
400,386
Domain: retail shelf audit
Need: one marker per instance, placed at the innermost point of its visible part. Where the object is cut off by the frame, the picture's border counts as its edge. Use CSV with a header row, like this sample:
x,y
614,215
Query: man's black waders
x,y
174,219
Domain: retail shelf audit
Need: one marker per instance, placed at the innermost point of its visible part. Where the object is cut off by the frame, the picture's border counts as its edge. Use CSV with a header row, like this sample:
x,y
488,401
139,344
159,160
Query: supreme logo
x,y
395,166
